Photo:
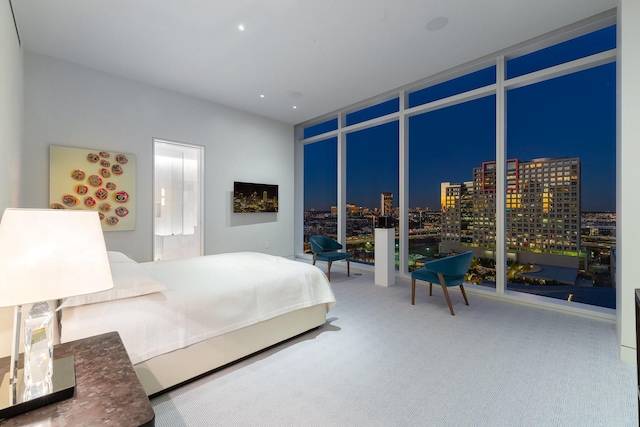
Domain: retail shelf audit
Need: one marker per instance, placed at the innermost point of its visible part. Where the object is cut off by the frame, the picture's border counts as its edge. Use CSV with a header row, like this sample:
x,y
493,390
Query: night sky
x,y
570,116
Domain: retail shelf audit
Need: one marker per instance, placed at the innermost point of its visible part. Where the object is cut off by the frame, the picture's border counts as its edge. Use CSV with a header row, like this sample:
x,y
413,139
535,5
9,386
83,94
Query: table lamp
x,y
45,255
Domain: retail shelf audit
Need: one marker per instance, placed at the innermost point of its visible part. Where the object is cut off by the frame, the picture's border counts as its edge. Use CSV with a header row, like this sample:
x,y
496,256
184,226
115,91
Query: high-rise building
x,y
386,204
450,206
542,204
457,212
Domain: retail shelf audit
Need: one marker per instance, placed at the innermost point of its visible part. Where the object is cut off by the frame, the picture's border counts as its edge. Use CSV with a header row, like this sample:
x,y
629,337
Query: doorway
x,y
178,200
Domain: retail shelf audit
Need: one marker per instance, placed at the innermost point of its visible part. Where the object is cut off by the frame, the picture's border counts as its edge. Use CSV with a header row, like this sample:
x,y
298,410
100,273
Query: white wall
x,y
628,174
74,106
11,102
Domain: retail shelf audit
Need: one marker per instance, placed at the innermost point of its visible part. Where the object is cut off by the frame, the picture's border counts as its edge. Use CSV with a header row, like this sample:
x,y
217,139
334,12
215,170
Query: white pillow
x,y
129,280
115,257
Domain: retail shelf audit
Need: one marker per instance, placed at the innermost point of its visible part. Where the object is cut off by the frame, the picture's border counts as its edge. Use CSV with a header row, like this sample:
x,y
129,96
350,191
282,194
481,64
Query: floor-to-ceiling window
x,y
447,150
513,158
320,190
372,182
561,209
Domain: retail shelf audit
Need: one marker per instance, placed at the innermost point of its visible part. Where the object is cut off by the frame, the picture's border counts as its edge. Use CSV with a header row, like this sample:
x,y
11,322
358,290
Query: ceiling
x,y
318,56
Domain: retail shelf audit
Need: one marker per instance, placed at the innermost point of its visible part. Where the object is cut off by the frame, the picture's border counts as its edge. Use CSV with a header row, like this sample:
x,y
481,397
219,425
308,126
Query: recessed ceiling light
x,y
261,96
437,23
294,107
241,27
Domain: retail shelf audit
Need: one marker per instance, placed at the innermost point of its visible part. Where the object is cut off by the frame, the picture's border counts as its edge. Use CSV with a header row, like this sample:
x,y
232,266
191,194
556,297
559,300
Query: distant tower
x,y
264,195
457,211
542,206
443,195
386,204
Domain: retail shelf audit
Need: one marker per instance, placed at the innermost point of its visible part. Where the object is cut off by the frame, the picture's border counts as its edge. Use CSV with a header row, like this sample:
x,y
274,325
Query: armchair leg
x,y
430,289
446,293
413,291
348,269
329,270
314,259
466,301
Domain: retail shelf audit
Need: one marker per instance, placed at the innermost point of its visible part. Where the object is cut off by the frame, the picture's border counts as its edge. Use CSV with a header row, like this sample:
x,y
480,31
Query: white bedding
x,y
205,297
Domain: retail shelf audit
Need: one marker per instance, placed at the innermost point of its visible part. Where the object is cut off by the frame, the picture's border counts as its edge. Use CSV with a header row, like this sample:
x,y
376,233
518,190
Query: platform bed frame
x,y
170,370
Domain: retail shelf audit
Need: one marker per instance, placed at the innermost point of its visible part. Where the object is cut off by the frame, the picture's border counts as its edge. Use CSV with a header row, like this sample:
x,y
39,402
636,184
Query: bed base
x,y
172,369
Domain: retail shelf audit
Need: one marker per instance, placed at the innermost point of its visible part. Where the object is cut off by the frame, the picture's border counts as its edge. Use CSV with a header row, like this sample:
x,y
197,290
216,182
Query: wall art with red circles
x,y
98,180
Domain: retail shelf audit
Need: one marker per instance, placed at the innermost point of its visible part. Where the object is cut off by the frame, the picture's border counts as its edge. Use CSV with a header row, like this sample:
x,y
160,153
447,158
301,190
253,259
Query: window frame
x,y
499,89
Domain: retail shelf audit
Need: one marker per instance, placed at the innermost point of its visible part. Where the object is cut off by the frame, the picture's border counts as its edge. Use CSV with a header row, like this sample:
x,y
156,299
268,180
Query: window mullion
x,y
501,112
342,182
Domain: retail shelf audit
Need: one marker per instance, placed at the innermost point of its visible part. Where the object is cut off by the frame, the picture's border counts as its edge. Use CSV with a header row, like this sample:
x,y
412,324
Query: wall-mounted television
x,y
251,197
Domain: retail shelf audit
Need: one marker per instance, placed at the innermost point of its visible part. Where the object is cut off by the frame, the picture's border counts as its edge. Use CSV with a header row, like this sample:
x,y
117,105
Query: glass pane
x,y
321,128
372,169
580,47
448,151
452,87
320,190
561,215
379,110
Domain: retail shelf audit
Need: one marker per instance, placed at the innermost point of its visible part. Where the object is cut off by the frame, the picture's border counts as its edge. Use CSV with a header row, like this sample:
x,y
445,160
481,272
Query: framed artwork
x,y
250,197
101,181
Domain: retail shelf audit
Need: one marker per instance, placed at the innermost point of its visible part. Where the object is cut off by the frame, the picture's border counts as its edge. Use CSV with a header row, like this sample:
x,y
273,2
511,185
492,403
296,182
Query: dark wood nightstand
x,y
108,391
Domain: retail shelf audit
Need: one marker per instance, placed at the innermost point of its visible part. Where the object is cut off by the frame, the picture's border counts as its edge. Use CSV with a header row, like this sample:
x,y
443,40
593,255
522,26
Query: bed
x,y
180,319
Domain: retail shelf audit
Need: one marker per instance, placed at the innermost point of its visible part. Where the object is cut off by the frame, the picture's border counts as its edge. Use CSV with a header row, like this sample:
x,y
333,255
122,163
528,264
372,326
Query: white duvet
x,y
205,297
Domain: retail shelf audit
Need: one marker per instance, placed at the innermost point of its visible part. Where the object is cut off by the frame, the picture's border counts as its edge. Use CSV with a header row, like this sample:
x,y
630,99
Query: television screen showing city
x,y
250,197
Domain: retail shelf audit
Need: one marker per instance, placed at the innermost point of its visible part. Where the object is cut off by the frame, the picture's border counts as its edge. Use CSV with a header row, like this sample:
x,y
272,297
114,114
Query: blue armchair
x,y
326,249
447,271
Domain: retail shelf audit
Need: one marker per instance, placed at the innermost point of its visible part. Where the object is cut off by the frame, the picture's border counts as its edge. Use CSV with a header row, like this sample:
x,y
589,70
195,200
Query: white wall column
x,y
11,135
11,110
627,174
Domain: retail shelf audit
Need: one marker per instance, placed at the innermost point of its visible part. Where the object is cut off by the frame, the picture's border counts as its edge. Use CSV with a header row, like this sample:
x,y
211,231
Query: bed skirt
x,y
169,370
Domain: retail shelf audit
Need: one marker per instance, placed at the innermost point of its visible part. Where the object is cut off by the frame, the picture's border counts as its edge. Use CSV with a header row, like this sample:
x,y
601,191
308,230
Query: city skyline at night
x,y
558,142
569,116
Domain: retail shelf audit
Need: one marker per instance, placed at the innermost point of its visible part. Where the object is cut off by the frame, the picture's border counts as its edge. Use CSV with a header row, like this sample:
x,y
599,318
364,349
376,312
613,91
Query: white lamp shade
x,y
49,254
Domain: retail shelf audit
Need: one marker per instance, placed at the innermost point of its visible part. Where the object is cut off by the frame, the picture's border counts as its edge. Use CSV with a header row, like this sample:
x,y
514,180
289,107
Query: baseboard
x,y
628,354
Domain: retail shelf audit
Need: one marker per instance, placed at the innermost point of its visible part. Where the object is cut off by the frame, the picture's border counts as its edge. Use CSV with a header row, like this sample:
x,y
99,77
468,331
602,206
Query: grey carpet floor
x,y
379,361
